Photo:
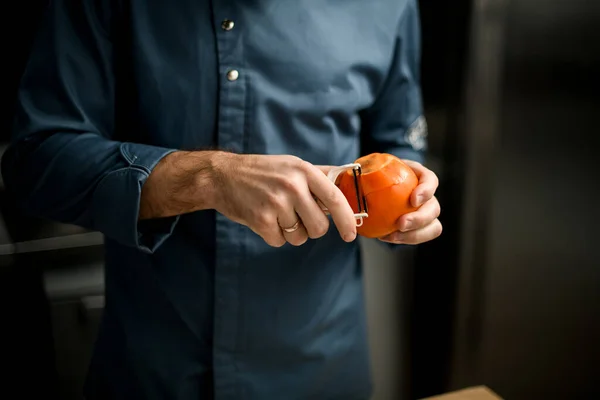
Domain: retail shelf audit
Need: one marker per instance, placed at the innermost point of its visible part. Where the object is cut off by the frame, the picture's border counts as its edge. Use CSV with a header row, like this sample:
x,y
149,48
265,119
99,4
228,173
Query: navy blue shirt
x,y
198,306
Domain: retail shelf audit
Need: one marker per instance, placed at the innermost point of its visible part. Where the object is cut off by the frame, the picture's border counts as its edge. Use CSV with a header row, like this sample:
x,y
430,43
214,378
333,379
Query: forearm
x,y
87,180
182,182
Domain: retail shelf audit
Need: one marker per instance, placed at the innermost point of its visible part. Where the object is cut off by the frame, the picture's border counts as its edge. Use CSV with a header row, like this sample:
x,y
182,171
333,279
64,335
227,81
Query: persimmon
x,y
387,183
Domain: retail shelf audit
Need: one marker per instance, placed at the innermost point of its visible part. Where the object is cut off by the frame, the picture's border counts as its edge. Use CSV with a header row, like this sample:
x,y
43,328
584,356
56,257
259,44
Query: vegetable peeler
x,y
335,172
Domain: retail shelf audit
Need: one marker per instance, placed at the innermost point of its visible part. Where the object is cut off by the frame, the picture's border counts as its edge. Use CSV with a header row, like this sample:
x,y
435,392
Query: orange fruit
x,y
387,183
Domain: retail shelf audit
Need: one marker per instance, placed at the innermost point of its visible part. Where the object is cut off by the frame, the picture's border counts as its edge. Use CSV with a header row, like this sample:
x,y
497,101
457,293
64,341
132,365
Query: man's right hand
x,y
266,193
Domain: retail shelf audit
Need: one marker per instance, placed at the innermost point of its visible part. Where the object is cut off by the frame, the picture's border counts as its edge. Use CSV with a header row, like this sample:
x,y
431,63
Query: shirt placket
x,y
229,251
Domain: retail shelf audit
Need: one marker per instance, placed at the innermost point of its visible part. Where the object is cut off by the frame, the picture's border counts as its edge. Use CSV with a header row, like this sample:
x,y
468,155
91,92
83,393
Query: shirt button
x,y
233,75
227,25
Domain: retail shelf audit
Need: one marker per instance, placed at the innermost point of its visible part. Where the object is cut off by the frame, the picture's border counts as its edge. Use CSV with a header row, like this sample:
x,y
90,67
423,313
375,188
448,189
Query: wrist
x,y
182,182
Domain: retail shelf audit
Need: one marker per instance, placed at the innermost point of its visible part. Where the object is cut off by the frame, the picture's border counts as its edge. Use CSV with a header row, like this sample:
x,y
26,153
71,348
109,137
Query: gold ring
x,y
292,228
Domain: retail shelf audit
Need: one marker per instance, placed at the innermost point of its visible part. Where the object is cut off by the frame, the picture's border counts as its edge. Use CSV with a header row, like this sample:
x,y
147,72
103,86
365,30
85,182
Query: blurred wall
x,y
528,318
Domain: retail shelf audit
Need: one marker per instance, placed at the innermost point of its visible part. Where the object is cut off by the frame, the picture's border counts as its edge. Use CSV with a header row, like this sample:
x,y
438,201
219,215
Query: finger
x,y
335,201
324,168
420,218
269,230
297,237
418,236
428,183
312,216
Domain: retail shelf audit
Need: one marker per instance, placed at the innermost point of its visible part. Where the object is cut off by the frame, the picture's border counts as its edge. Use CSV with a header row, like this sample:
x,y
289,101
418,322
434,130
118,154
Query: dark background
x,y
508,297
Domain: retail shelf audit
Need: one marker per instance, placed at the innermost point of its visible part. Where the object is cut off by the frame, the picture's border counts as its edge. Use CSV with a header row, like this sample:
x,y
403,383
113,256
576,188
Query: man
x,y
194,135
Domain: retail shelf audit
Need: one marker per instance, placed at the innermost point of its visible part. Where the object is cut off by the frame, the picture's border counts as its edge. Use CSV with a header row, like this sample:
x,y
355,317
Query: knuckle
x,y
438,210
307,169
273,238
263,220
301,164
333,198
292,185
276,201
428,194
299,240
275,242
433,179
319,229
294,162
438,228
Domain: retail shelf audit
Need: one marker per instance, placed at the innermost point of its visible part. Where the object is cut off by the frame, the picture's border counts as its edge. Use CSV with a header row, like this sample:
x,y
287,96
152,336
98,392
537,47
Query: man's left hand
x,y
423,224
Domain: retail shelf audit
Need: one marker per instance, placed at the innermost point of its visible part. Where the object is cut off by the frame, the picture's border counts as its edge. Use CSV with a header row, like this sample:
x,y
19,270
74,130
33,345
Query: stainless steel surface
x,y
528,318
53,243
481,136
75,282
387,281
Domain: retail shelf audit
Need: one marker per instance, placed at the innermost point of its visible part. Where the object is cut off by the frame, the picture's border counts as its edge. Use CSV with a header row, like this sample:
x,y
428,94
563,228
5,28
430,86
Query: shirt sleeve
x,y
64,163
395,123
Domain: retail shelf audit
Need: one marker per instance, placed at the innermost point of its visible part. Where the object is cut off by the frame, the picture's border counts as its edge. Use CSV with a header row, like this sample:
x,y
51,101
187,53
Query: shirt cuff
x,y
116,201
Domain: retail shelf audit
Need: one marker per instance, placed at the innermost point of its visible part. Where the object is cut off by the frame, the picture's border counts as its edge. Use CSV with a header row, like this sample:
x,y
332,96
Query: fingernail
x,y
348,237
408,225
396,238
419,200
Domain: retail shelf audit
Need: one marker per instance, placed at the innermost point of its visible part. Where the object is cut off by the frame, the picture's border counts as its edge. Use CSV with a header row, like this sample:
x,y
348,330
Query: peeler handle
x,y
336,171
